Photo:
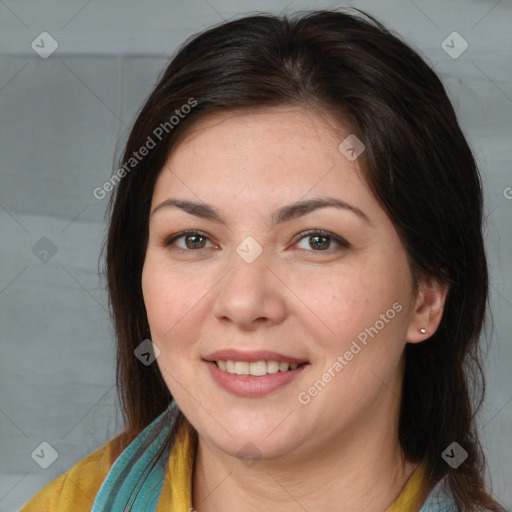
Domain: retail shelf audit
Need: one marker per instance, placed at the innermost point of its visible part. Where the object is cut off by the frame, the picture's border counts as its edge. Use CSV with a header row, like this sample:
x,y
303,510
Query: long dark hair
x,y
417,163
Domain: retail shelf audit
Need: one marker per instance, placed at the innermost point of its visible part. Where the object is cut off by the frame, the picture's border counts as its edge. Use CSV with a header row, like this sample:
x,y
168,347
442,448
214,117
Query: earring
x,y
422,330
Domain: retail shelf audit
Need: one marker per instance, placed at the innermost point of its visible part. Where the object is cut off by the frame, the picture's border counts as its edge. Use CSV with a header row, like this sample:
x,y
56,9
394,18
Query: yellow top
x,y
76,489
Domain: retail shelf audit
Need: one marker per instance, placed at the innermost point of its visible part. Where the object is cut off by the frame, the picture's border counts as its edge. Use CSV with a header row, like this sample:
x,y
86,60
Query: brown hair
x,y
417,163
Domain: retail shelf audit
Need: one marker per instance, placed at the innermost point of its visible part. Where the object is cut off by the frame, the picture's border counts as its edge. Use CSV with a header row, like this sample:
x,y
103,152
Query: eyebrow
x,y
283,214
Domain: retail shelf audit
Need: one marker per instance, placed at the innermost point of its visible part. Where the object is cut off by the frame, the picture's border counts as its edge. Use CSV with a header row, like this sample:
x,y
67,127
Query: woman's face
x,y
260,284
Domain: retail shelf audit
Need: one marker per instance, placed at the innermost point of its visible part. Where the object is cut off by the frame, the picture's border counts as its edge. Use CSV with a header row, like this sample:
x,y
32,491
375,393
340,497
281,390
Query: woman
x,y
297,228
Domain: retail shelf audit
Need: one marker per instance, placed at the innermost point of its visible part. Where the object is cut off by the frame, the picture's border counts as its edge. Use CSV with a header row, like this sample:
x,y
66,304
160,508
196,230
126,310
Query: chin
x,y
245,438
253,447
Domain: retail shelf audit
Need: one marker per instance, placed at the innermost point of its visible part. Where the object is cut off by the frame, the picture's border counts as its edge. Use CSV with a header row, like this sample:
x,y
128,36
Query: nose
x,y
250,295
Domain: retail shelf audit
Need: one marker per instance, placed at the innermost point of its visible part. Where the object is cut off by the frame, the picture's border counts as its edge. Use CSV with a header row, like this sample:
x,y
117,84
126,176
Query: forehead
x,y
272,148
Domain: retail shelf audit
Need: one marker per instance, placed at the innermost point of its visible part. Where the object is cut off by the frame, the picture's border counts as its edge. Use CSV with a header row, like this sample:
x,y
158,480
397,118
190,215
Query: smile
x,y
237,377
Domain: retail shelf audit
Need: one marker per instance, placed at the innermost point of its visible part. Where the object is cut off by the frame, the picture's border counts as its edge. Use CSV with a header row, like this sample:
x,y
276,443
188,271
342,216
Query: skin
x,y
340,451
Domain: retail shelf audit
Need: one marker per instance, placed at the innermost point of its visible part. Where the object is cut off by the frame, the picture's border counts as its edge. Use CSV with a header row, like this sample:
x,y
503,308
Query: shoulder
x,y
76,489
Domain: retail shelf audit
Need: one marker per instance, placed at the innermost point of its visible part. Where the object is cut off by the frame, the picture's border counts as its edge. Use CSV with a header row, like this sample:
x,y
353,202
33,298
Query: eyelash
x,y
168,242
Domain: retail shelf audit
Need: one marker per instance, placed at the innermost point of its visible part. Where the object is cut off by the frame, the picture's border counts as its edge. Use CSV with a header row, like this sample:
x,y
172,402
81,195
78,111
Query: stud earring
x,y
422,330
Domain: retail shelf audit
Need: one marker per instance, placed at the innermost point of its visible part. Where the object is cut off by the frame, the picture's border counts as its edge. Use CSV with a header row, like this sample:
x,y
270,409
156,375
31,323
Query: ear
x,y
428,310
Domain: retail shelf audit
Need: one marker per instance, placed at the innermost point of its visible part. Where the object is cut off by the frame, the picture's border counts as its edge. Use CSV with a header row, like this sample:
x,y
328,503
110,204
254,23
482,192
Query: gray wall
x,y
61,118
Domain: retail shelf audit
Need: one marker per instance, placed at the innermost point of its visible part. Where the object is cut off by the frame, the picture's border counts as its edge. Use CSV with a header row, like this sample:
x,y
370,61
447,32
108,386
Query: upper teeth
x,y
256,368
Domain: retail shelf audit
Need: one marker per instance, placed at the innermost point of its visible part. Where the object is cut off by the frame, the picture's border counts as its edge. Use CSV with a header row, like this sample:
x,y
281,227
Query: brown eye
x,y
321,241
187,240
194,241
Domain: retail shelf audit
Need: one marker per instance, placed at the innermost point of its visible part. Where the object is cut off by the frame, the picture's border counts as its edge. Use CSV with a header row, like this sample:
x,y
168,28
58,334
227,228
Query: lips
x,y
253,374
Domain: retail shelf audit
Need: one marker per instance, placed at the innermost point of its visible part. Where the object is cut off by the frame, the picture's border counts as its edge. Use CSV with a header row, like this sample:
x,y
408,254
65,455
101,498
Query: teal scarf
x,y
439,500
135,480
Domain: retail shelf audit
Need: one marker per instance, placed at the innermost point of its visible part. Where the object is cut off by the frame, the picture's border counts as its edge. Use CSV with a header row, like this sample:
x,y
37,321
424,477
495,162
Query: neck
x,y
361,470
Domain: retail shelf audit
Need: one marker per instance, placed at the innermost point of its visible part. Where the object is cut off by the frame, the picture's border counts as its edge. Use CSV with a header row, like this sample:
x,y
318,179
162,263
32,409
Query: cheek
x,y
354,305
168,296
156,299
334,302
167,302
